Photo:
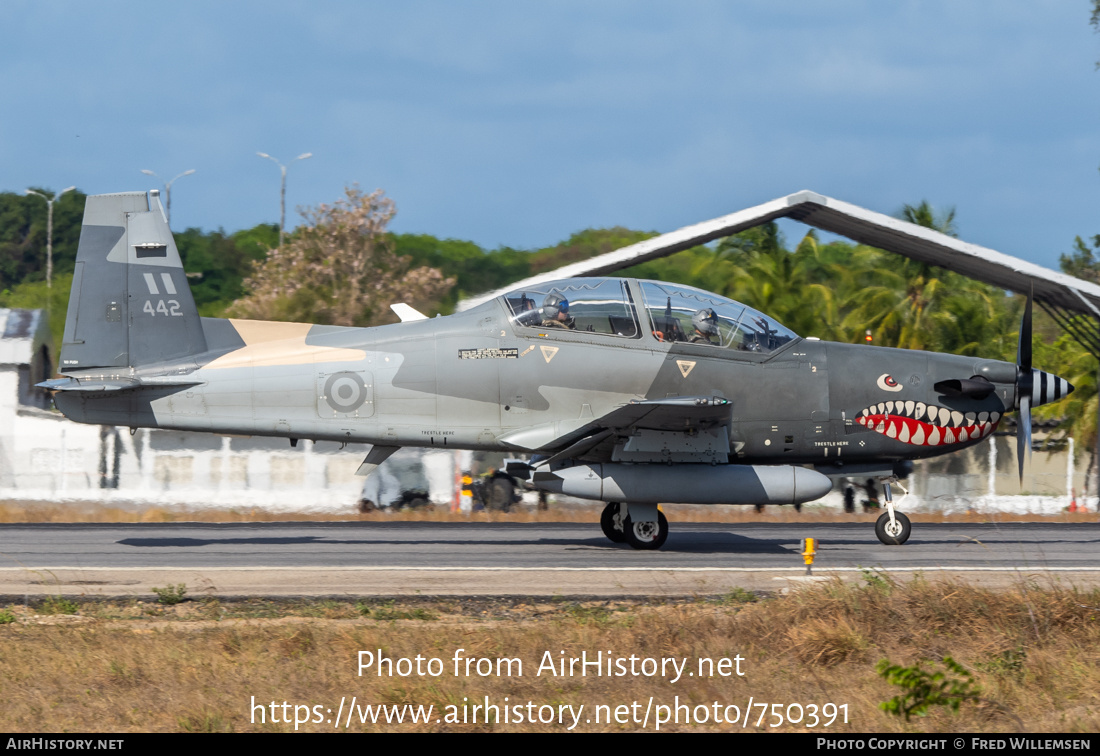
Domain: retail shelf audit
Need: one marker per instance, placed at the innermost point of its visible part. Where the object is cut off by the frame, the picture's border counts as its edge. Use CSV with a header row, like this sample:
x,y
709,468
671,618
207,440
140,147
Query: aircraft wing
x,y
596,438
674,413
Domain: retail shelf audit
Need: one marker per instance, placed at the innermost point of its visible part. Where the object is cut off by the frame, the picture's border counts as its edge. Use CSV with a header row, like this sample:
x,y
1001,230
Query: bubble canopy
x,y
633,309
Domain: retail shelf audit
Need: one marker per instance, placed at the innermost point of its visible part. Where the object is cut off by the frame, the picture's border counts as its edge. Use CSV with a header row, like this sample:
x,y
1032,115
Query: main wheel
x,y
500,494
646,535
896,534
611,522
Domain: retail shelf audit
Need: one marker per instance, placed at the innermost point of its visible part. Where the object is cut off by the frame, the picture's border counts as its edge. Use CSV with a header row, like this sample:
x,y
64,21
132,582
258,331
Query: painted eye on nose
x,y
886,382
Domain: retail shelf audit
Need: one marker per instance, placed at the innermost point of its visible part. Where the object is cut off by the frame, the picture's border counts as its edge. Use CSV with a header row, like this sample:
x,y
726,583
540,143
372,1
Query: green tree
x,y
217,263
584,245
1082,262
1094,19
792,287
33,295
900,299
339,268
23,235
924,215
474,270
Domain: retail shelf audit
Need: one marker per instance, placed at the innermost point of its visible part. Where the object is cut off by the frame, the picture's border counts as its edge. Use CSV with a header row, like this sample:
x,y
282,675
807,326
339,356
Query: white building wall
x,y
45,457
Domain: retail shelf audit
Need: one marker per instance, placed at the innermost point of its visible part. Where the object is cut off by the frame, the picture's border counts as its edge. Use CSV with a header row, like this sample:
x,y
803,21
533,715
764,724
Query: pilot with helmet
x,y
555,312
526,312
705,322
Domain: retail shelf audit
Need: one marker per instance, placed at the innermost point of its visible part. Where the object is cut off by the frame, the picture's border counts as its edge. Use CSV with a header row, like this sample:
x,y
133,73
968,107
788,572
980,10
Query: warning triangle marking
x,y
685,367
548,352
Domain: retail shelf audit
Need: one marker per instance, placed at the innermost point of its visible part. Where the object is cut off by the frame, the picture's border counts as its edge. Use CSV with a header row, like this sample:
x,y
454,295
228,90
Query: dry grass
x,y
34,512
142,666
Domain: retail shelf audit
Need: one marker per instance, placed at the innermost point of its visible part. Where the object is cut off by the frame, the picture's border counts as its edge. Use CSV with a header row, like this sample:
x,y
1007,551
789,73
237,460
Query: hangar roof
x,y
861,225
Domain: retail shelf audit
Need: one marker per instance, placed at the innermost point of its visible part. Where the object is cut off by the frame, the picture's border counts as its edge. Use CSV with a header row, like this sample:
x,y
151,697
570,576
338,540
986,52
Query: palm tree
x,y
901,300
924,215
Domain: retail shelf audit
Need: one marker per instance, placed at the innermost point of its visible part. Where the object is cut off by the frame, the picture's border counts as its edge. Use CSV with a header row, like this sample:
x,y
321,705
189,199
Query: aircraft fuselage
x,y
474,380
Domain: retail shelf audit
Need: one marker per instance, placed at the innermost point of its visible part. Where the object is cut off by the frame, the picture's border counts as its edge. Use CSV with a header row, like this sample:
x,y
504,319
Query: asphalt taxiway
x,y
537,559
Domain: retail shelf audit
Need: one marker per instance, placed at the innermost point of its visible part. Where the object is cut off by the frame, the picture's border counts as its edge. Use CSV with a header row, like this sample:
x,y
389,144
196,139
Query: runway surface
x,y
403,558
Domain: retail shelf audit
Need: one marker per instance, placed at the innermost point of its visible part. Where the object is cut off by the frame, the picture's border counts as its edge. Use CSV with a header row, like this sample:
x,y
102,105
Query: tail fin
x,y
130,303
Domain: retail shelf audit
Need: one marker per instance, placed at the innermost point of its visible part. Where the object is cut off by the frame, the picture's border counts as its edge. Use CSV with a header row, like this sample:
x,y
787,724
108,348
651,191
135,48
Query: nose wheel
x,y
892,528
893,533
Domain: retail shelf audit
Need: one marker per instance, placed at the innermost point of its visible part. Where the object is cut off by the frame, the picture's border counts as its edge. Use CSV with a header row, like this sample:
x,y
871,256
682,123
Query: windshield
x,y
685,314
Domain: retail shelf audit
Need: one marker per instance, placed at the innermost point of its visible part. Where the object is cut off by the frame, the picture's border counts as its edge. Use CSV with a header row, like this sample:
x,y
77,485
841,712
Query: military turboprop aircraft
x,y
623,391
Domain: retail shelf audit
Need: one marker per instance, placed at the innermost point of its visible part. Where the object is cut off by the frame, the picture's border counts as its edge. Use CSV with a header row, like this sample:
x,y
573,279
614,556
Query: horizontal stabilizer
x,y
407,313
104,385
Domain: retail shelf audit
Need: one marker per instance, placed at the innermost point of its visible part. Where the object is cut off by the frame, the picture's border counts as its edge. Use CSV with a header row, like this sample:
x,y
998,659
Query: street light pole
x,y
282,192
49,229
168,190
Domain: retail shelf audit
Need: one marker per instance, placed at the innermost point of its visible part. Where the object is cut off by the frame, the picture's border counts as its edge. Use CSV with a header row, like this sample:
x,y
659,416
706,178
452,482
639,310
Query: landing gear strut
x,y
892,528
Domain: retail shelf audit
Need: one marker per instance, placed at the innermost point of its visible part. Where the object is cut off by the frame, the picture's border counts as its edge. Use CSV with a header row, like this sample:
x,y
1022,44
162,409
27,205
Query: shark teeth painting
x,y
919,424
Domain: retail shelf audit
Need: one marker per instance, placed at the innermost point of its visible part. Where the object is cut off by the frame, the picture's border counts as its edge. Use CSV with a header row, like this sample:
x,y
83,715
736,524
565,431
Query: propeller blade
x,y
1023,348
1023,434
1025,380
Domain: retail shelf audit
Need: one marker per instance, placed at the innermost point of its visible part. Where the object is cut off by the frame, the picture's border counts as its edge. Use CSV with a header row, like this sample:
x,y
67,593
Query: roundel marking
x,y
345,392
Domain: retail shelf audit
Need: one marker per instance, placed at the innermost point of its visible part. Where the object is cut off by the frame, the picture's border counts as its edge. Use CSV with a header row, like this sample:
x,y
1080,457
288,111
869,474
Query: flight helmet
x,y
705,321
553,304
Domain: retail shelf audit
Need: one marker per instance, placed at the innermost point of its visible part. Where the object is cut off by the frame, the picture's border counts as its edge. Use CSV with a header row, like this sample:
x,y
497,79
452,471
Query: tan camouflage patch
x,y
268,343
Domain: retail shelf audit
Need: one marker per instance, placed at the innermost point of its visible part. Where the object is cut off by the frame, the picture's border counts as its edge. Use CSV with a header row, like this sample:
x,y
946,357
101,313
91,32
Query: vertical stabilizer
x,y
130,303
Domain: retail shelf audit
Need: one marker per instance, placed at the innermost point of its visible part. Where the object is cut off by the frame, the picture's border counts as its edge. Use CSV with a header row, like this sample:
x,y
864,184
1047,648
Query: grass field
x,y
1026,661
1019,660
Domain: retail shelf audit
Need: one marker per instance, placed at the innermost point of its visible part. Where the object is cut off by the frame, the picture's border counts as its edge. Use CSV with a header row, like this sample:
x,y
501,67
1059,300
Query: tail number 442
x,y
170,307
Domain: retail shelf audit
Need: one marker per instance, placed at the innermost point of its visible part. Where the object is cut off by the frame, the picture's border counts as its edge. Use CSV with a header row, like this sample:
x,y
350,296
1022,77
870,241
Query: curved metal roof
x,y
1063,296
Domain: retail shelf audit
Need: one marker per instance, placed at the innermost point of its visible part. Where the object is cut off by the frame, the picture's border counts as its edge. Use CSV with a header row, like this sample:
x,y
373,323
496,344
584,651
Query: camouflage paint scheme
x,y
137,354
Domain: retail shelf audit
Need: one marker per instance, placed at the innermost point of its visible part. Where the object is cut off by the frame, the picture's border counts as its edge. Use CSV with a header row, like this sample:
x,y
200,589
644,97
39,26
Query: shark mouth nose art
x,y
920,424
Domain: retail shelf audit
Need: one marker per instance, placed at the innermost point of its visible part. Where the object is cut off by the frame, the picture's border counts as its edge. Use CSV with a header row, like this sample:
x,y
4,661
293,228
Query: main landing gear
x,y
892,528
644,534
611,522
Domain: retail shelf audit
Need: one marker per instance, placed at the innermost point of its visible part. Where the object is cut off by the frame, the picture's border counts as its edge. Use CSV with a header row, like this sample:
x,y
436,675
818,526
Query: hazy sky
x,y
518,123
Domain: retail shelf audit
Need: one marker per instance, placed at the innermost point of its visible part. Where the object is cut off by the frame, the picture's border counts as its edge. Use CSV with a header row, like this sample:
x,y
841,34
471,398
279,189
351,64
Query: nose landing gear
x,y
892,528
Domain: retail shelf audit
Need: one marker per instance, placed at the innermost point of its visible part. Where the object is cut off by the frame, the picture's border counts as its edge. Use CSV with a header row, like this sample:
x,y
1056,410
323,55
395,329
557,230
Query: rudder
x,y
130,303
